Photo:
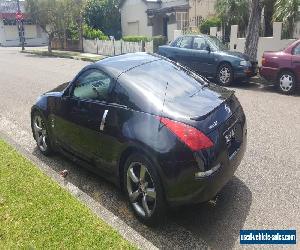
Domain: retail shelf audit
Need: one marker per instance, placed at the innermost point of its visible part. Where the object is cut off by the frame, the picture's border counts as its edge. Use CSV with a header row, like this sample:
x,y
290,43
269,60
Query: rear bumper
x,y
270,74
204,186
246,72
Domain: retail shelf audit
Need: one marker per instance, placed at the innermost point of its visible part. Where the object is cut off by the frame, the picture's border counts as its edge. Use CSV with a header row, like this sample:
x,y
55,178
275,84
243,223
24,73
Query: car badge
x,y
227,108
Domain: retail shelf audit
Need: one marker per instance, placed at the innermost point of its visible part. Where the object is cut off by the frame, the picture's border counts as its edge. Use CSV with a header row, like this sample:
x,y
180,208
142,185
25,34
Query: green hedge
x,y
135,38
210,22
90,33
158,41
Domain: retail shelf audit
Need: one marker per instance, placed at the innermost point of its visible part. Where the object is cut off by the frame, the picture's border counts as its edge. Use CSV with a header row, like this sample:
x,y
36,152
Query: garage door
x,y
133,28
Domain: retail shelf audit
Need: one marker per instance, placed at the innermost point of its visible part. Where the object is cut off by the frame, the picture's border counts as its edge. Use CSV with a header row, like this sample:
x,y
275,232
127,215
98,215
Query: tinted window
x,y
92,84
176,42
186,42
199,43
143,88
215,43
297,50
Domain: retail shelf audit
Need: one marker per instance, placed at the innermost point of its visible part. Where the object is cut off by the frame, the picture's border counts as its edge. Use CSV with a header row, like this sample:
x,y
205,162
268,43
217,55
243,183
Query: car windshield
x,y
216,44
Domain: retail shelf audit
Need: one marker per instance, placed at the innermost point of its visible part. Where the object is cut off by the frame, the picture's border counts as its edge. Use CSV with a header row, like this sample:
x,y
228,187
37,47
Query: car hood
x,y
236,54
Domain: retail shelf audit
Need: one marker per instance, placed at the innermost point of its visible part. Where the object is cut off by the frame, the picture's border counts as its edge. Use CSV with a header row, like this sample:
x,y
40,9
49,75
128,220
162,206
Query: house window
x,y
182,19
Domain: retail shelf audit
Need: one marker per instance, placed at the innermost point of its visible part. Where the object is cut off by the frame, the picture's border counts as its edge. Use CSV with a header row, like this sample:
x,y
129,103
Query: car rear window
x,y
146,85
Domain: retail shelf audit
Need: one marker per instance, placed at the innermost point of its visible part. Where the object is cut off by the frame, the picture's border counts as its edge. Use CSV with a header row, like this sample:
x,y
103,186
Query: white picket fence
x,y
111,48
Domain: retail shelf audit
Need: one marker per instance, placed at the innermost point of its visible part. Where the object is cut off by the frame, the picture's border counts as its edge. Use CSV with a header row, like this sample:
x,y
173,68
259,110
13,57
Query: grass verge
x,y
65,54
35,212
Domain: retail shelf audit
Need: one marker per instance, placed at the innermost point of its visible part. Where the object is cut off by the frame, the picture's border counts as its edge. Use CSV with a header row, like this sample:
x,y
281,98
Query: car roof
x,y
117,65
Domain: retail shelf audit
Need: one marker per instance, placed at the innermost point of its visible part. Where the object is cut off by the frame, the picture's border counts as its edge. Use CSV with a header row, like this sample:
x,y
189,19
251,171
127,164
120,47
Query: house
x,y
153,17
199,10
9,32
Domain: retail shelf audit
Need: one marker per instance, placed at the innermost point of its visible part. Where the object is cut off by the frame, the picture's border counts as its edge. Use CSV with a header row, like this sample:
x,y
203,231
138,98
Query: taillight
x,y
190,136
263,61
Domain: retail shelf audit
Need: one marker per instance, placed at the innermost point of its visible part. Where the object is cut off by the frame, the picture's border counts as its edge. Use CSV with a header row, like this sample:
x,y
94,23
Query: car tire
x,y
224,74
144,190
41,134
286,83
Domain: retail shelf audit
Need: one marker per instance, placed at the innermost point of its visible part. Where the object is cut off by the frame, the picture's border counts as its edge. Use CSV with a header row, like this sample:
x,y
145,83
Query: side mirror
x,y
208,48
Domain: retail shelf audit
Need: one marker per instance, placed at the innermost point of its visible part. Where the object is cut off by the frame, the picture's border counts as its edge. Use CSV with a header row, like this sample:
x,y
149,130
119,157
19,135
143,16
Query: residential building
x,y
9,32
199,10
153,17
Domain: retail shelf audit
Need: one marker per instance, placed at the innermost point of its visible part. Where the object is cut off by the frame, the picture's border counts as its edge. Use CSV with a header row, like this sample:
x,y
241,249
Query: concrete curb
x,y
115,222
82,56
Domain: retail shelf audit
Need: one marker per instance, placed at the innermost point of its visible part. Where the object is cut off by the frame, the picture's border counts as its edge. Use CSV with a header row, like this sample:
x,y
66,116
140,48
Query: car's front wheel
x,y
287,83
224,74
144,190
41,134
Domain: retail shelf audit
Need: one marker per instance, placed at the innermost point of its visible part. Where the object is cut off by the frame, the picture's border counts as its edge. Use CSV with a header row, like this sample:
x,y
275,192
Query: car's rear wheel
x,y
144,190
287,83
41,134
224,74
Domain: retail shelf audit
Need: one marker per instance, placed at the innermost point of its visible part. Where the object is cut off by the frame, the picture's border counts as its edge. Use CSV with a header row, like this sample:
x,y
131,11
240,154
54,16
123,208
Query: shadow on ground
x,y
259,85
191,227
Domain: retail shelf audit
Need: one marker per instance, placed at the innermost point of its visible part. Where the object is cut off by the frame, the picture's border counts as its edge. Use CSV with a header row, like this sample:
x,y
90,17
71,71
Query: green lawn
x,y
36,213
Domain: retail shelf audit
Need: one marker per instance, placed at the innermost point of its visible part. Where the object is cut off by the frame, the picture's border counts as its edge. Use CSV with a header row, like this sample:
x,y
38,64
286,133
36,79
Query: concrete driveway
x,y
264,194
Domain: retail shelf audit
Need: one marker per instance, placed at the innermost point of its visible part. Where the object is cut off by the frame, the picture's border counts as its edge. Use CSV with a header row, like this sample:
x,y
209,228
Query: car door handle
x,y
103,120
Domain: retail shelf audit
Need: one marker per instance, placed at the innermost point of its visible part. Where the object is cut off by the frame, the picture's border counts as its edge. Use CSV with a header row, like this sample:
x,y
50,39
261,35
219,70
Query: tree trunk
x,y
252,35
50,37
268,14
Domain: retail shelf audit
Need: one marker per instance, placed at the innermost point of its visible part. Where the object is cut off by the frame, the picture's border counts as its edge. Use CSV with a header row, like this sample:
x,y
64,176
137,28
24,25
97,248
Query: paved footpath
x,y
264,194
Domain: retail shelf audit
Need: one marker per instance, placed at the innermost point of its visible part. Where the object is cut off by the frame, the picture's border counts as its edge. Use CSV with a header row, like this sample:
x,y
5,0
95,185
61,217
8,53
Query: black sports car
x,y
154,128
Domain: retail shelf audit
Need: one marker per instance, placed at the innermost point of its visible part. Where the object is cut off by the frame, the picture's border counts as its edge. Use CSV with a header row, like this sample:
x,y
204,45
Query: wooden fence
x,y
111,48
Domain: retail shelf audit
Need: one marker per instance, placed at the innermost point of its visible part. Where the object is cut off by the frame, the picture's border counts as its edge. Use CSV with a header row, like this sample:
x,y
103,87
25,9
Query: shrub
x,y
90,33
158,41
210,22
135,38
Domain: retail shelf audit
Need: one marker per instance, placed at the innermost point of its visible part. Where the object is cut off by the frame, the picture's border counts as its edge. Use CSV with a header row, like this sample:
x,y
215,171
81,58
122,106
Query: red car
x,y
283,68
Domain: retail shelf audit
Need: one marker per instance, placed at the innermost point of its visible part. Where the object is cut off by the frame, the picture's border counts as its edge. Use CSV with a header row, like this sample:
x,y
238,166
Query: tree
x,y
210,22
55,17
286,11
44,14
232,12
268,17
252,35
104,15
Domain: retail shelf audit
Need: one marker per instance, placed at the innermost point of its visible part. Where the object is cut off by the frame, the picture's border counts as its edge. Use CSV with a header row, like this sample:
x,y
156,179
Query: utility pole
x,y
20,25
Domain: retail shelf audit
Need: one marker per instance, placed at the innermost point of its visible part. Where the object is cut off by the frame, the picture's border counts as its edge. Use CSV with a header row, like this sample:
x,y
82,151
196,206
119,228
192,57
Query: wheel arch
x,y
224,62
124,156
286,70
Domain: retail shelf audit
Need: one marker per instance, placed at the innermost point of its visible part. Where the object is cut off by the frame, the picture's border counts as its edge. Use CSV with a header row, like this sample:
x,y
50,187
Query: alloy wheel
x,y
141,189
224,75
286,82
40,133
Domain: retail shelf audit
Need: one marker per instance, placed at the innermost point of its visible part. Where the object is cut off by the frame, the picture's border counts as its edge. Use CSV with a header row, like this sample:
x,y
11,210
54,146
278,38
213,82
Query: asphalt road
x,y
264,194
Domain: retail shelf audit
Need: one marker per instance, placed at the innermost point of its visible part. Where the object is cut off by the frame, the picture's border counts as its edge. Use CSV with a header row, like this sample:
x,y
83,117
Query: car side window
x,y
176,42
199,43
92,84
297,50
186,42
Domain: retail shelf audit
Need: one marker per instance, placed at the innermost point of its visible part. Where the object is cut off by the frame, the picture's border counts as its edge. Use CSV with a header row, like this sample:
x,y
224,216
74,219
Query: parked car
x,y
283,68
155,129
208,56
